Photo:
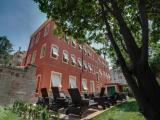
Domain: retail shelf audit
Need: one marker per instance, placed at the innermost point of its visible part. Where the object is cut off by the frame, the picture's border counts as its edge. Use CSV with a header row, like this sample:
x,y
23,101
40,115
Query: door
x,y
111,90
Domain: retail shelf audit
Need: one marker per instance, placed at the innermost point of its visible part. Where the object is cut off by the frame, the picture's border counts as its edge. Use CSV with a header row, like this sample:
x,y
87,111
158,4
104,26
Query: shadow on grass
x,y
130,106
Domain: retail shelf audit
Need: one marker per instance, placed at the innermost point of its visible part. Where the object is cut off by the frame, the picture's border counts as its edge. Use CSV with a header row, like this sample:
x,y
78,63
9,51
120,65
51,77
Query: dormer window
x,y
54,51
85,66
79,63
73,59
65,57
46,30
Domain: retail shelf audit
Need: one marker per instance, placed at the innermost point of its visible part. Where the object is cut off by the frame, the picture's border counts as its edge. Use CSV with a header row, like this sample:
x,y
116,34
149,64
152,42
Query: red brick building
x,y
65,64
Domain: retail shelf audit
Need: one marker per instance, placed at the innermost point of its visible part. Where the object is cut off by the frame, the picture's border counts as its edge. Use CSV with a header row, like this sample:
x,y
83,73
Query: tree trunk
x,y
146,90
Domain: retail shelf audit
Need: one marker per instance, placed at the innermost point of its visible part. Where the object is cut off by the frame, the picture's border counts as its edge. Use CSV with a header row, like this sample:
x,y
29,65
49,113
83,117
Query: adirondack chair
x,y
58,101
79,105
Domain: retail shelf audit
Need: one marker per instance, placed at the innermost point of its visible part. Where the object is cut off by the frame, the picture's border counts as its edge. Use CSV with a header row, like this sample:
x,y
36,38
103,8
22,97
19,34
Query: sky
x,y
18,20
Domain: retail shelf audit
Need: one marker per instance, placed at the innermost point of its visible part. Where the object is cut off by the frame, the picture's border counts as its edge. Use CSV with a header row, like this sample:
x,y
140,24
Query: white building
x,y
117,76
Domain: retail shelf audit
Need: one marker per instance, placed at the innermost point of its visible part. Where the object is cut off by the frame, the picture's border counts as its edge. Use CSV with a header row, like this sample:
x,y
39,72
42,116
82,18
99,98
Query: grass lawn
x,y
7,115
124,111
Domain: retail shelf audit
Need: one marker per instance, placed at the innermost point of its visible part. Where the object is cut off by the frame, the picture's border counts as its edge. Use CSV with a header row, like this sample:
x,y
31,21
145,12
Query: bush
x,y
29,111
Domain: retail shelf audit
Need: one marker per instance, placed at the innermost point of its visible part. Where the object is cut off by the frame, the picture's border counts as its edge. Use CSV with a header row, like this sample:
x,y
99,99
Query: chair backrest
x,y
75,96
55,91
44,92
102,91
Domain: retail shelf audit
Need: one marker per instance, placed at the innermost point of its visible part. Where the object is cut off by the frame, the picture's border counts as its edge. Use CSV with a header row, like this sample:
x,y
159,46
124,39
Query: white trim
x,y
74,77
53,72
51,50
63,56
43,46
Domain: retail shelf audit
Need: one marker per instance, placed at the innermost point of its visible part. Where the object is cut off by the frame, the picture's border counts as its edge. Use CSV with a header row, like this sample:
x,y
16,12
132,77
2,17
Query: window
x,y
72,82
73,58
97,76
84,84
85,66
56,79
84,49
28,59
37,37
92,89
38,83
65,56
43,50
46,30
89,66
33,57
80,47
73,43
79,63
54,51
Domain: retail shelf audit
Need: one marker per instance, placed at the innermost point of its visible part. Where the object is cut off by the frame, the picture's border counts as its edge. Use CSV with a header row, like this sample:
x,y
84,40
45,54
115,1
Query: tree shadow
x,y
130,106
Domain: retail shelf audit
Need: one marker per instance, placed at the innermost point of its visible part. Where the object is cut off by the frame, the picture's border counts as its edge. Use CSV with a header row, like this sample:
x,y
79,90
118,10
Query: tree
x,y
127,27
5,50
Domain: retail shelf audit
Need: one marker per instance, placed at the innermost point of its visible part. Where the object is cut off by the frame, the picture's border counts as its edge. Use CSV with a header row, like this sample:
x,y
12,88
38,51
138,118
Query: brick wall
x,y
17,83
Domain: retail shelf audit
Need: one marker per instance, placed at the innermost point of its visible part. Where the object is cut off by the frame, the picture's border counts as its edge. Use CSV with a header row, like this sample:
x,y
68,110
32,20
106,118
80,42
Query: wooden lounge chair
x,y
101,99
44,99
58,101
79,105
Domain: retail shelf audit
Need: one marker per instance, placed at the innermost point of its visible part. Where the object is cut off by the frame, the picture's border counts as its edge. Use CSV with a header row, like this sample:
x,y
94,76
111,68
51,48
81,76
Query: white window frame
x,y
41,53
33,58
57,54
73,59
60,74
80,47
79,63
84,85
89,67
85,65
63,57
74,43
93,83
75,84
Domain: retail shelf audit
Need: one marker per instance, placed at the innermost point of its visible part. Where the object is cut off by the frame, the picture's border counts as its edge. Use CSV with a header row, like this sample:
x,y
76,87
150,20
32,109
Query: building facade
x,y
118,81
65,64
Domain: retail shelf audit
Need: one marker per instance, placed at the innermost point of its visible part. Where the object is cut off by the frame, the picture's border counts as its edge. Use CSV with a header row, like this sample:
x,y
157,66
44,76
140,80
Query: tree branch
x,y
145,30
121,59
126,33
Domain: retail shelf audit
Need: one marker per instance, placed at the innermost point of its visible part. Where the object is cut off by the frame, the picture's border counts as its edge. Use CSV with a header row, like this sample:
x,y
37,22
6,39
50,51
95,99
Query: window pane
x,y
84,85
72,82
56,80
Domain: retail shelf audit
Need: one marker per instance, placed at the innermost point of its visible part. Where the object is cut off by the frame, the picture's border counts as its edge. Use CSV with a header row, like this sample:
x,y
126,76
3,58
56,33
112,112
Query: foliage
x,y
83,20
5,50
8,115
124,111
29,111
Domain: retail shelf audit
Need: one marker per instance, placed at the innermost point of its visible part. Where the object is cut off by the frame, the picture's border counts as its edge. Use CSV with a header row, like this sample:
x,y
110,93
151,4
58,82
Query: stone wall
x,y
17,84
